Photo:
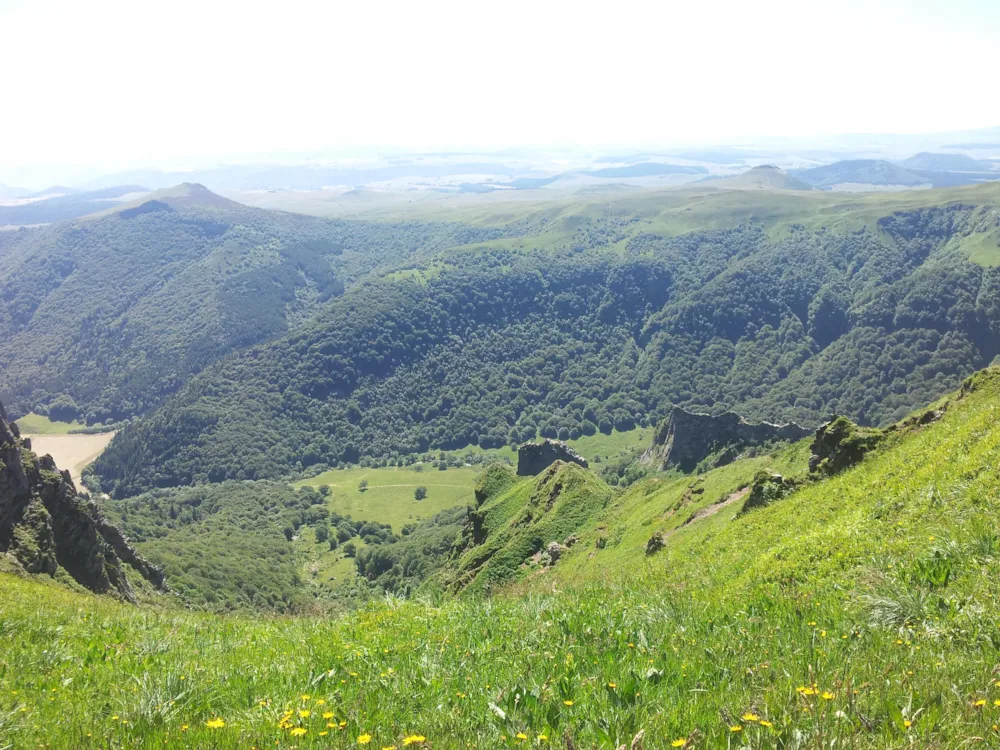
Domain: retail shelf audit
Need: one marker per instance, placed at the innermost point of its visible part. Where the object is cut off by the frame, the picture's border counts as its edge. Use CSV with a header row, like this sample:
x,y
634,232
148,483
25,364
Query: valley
x,y
301,435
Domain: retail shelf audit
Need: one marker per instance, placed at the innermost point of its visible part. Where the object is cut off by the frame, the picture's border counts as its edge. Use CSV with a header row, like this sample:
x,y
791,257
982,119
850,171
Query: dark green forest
x,y
494,346
104,317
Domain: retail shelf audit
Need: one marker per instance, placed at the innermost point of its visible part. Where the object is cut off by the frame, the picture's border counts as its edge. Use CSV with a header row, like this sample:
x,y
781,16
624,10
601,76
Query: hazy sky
x,y
140,83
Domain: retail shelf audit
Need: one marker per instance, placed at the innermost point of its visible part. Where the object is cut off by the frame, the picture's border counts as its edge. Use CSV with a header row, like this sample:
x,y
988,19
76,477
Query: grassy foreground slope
x,y
860,611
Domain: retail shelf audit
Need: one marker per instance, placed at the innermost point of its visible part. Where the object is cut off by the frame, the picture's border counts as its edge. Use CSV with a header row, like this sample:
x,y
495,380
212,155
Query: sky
x,y
116,85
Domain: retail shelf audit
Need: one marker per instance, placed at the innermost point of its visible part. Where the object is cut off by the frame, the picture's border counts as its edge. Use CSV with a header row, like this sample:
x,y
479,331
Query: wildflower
x,y
521,736
979,703
907,723
328,715
996,703
414,739
184,727
567,703
364,739
680,742
298,731
543,738
736,728
215,723
750,717
389,747
305,698
827,695
764,723
304,713
323,734
320,701
612,685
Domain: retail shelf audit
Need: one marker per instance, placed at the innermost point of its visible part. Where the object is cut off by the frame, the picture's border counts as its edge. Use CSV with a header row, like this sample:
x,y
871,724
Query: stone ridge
x,y
684,439
534,458
46,526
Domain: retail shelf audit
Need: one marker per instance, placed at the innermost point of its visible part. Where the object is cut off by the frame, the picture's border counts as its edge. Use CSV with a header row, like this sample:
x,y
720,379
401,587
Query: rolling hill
x,y
764,177
102,317
859,172
932,162
494,344
61,207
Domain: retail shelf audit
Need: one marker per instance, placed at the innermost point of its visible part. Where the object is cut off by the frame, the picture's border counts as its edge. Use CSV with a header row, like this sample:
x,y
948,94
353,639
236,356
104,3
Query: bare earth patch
x,y
71,452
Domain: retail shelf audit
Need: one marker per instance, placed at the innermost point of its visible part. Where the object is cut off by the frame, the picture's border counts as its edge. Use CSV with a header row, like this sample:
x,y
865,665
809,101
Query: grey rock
x,y
684,439
534,458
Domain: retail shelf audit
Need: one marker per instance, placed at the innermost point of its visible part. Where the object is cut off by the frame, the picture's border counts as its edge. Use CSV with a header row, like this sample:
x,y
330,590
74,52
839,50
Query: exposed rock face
x,y
534,458
45,525
685,439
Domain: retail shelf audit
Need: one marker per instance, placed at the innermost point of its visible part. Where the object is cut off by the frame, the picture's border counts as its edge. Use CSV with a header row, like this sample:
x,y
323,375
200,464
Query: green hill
x,y
102,318
858,610
494,344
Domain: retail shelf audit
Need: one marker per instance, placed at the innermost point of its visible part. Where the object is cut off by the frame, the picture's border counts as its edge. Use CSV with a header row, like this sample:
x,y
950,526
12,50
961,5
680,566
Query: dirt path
x,y
711,510
72,452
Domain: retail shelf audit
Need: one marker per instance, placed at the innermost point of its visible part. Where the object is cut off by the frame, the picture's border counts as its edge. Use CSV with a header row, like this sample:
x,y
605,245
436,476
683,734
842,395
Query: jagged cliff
x,y
534,458
46,527
684,439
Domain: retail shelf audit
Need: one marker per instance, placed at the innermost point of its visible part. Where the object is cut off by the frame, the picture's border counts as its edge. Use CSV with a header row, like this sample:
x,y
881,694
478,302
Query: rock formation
x,y
685,439
46,526
534,458
840,444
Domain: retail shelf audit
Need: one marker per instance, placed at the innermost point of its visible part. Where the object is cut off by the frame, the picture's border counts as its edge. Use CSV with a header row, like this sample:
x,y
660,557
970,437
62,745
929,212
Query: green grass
x,y
861,611
36,424
389,497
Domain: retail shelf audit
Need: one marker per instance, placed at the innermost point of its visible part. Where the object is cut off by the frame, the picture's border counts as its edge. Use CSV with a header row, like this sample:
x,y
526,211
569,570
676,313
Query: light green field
x,y
389,497
588,446
36,424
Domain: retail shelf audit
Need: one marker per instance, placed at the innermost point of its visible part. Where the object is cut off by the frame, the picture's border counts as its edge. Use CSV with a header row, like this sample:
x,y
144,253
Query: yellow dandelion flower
x,y
298,731
979,703
612,685
736,728
414,739
521,736
323,734
996,703
543,738
304,698
389,747
750,717
679,742
827,695
215,723
184,727
907,723
320,701
303,713
328,715
364,739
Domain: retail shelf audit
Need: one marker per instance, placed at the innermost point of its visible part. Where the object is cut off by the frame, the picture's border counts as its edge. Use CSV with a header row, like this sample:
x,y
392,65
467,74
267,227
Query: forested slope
x,y
103,317
496,345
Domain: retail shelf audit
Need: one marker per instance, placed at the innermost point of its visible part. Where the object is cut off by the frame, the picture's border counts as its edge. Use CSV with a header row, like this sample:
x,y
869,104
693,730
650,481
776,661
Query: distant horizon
x,y
43,177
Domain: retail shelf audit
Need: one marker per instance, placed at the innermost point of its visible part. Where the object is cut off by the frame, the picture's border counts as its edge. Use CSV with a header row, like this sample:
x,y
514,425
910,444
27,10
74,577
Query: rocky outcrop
x,y
46,526
534,458
840,443
685,439
767,487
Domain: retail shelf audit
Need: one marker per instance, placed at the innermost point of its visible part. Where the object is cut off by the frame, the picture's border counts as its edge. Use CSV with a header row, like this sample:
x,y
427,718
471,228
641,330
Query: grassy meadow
x,y
860,611
36,424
